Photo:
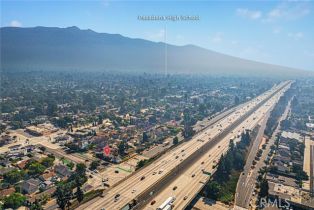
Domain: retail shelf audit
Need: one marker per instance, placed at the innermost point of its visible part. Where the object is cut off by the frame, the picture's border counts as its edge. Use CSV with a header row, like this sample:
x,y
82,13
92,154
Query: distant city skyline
x,y
276,32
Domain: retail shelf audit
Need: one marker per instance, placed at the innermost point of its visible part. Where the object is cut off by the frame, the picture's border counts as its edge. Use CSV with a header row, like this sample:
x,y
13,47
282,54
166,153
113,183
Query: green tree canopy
x,y
13,176
14,201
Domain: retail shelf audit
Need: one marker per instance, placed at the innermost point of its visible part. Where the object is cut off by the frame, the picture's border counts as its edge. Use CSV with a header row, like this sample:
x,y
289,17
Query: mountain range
x,y
61,49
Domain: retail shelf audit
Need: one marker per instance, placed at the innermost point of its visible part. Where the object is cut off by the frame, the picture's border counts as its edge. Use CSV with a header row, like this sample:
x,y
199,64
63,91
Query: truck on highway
x,y
168,203
207,173
166,143
168,207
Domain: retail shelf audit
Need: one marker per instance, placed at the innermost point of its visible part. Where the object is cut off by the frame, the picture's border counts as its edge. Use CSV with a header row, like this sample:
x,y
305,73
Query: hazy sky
x,y
278,32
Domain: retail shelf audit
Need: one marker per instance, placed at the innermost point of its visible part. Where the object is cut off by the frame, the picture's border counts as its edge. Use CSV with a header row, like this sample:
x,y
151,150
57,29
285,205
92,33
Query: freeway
x,y
247,180
187,185
144,181
199,127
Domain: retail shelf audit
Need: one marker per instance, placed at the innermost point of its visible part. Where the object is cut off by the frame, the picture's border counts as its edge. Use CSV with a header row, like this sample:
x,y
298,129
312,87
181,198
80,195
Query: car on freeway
x,y
116,197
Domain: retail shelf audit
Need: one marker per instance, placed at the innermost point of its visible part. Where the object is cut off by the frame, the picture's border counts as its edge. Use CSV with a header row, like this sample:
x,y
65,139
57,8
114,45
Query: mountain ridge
x,y
71,48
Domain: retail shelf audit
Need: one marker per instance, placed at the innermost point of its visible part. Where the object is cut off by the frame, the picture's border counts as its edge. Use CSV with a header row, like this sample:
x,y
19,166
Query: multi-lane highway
x,y
181,161
189,183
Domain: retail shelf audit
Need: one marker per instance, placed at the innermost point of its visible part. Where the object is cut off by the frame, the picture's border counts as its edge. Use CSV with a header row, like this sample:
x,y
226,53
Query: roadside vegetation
x,y
223,185
276,113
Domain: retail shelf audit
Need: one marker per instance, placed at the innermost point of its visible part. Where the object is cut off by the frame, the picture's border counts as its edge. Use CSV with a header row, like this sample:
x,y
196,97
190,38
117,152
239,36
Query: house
x,y
15,154
28,148
83,143
30,186
15,147
6,192
5,170
5,162
283,152
288,136
45,185
21,164
47,176
62,170
5,140
284,160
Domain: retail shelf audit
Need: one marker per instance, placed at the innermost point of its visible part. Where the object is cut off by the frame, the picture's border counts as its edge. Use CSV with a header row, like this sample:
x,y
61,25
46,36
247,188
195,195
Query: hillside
x,y
51,48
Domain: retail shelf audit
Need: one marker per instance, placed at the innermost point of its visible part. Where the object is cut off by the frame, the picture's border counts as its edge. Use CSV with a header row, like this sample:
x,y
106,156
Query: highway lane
x,y
166,162
191,187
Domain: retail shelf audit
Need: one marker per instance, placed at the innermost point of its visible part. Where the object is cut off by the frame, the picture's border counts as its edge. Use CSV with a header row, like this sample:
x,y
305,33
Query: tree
x,y
264,188
231,146
140,164
145,137
35,168
52,108
213,189
2,128
63,194
238,160
94,165
47,161
202,109
175,140
14,201
80,175
80,169
36,206
13,176
188,131
236,100
100,119
121,148
79,194
70,165
223,169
